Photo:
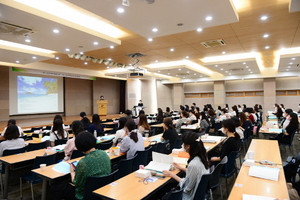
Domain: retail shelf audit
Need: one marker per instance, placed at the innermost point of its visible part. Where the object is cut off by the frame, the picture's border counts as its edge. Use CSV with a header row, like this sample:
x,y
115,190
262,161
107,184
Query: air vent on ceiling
x,y
182,74
236,69
14,29
213,43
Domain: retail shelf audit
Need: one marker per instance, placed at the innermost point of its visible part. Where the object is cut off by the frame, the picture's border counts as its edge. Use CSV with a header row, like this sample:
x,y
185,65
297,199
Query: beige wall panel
x,y
202,87
289,102
244,85
269,94
219,94
200,102
288,83
164,95
4,90
149,95
178,95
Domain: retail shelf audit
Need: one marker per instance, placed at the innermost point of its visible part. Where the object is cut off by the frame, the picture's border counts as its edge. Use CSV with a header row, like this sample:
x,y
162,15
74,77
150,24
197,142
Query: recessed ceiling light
x,y
27,40
150,39
168,73
195,74
247,66
221,69
183,77
179,69
244,63
290,63
264,17
55,31
57,58
67,49
223,52
226,71
33,57
251,72
120,10
229,73
199,29
293,58
85,63
171,49
216,65
187,57
156,60
208,18
116,75
267,47
289,66
111,47
158,71
266,35
109,59
107,67
176,75
200,75
154,29
96,43
17,61
287,69
81,52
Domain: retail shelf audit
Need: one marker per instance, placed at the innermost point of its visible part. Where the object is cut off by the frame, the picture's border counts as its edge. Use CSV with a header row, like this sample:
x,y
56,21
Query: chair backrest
x,y
160,147
92,183
125,167
105,145
36,146
214,181
175,195
48,160
60,141
202,187
229,167
178,143
141,159
9,152
292,137
77,154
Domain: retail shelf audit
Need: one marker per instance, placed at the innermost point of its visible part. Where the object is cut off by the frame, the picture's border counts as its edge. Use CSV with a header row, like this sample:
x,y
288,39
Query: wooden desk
x,y
49,174
263,150
10,161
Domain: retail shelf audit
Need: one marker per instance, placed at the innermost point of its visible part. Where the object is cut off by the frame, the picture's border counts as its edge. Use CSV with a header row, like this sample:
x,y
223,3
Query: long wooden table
x,y
123,188
245,184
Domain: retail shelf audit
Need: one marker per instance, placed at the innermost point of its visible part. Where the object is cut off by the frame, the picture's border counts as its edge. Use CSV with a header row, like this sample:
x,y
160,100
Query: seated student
x,y
197,165
183,120
95,125
204,123
167,113
132,142
95,163
58,117
143,124
85,121
244,121
238,129
57,132
77,127
160,115
231,143
169,134
12,140
121,130
128,114
138,118
192,116
293,125
285,122
13,122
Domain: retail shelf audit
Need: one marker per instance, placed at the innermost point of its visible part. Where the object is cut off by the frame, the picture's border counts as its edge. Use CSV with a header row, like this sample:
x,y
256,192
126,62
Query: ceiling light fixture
x,y
195,74
171,49
109,59
221,69
267,47
179,69
33,57
150,39
81,52
55,31
85,63
287,69
229,73
290,63
154,29
251,72
208,18
156,60
27,40
244,63
57,58
216,65
266,35
199,29
293,58
289,66
107,67
187,57
67,49
120,10
247,66
96,43
158,71
17,61
224,52
264,17
111,47
234,57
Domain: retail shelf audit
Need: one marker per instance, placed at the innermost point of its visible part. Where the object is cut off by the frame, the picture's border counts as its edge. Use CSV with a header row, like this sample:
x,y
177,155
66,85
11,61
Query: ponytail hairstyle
x,y
169,123
230,125
130,125
196,148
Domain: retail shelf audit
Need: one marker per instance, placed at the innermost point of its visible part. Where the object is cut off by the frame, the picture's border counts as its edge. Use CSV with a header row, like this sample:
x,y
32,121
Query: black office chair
x,y
76,154
178,143
36,146
105,145
290,142
161,148
175,195
141,159
214,181
229,168
32,177
36,128
124,167
202,187
92,183
60,142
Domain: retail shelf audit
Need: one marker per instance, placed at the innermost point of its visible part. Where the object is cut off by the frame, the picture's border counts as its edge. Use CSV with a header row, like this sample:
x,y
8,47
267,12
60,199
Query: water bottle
x,y
95,133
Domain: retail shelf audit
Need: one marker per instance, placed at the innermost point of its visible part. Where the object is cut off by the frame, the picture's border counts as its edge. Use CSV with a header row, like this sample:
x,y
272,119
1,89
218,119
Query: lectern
x,y
102,107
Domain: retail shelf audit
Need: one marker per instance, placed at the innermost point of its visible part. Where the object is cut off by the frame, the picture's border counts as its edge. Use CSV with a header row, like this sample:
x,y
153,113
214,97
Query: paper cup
x,y
114,151
250,155
43,167
146,135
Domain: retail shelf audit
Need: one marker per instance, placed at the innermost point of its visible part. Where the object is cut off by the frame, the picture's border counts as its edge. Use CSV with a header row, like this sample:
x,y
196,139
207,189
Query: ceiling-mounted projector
x,y
149,1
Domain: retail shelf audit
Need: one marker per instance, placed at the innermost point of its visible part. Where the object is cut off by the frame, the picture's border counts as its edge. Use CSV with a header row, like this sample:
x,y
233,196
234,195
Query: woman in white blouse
x,y
57,132
121,130
197,165
13,122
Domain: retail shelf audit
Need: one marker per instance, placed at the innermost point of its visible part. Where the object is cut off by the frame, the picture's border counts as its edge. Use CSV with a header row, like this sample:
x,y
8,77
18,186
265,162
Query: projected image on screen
x,y
37,94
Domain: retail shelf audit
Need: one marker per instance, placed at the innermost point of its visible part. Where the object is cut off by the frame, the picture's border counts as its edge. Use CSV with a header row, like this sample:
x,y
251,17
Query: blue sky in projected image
x,y
34,85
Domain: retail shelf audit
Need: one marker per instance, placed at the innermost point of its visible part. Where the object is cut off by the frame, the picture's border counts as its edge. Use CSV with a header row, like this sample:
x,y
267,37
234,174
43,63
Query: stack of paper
x,y
160,162
254,197
275,130
62,167
157,139
264,172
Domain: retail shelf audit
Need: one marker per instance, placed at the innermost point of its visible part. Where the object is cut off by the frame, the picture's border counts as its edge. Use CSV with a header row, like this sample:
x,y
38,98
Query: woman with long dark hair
x,y
170,133
160,115
85,121
293,125
121,130
12,140
133,140
95,125
13,122
143,124
204,123
231,143
57,132
197,165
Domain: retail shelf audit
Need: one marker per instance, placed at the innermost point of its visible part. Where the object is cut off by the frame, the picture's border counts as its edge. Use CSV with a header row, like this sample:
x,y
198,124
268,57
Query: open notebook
x,y
264,172
160,162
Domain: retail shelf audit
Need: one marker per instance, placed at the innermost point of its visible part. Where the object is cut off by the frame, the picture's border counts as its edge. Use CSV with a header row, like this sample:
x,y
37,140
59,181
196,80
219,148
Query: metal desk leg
x,y
7,169
44,189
